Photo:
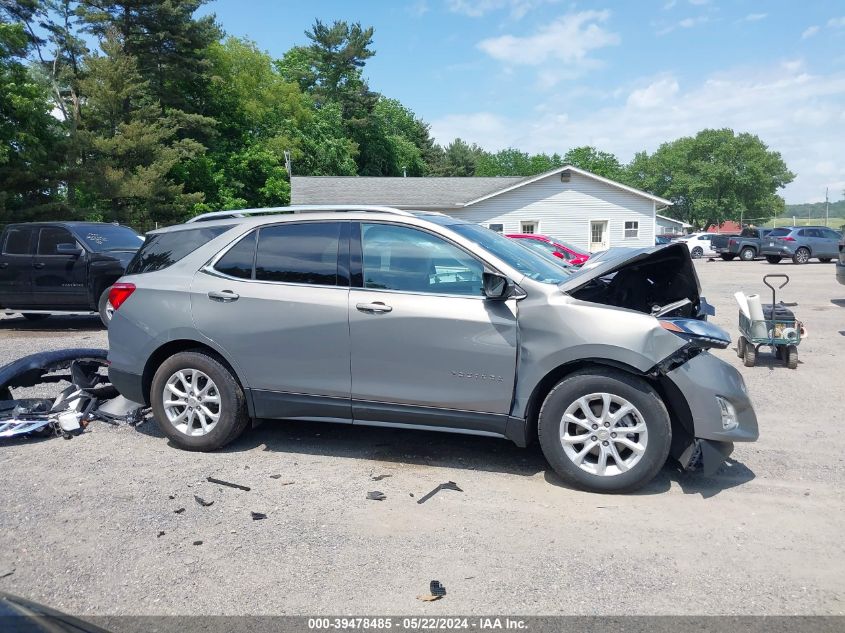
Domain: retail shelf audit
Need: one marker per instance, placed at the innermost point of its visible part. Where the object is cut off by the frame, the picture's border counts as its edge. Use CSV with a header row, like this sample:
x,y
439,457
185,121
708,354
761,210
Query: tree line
x,y
141,112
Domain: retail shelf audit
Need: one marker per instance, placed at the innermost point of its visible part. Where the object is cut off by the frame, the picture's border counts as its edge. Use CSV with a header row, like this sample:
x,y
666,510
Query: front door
x,y
427,347
16,268
281,315
598,236
59,281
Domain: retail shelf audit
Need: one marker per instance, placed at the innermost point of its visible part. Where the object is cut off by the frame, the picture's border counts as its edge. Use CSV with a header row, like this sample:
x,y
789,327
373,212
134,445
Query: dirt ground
x,y
89,525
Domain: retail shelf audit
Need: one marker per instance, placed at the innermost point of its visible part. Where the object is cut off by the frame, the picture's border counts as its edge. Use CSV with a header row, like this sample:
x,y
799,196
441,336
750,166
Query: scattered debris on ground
x,y
179,510
279,476
229,484
202,501
7,572
160,534
379,477
376,495
197,542
449,485
258,516
436,590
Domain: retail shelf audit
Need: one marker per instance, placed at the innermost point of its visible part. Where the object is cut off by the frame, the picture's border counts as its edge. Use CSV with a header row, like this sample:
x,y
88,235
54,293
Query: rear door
x,y
16,267
830,240
427,347
277,304
59,280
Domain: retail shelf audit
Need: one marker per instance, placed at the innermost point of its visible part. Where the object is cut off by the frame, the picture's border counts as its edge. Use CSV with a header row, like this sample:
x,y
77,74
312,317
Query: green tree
x,y
714,176
513,162
595,161
458,159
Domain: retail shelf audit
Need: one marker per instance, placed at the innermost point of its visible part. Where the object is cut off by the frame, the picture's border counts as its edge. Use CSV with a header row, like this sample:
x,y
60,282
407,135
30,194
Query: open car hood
x,y
639,279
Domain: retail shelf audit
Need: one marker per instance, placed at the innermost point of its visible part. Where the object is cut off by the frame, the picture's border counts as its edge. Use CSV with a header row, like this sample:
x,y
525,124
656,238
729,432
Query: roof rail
x,y
302,208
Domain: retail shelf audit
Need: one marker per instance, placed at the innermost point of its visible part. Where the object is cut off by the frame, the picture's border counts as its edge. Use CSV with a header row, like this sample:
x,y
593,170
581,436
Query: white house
x,y
568,203
671,226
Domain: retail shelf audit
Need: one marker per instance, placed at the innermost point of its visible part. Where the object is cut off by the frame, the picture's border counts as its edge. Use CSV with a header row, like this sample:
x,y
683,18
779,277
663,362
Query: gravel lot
x,y
80,519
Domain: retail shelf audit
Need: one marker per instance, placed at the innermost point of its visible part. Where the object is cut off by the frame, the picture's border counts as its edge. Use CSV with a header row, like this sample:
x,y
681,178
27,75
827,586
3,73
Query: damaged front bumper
x,y
719,411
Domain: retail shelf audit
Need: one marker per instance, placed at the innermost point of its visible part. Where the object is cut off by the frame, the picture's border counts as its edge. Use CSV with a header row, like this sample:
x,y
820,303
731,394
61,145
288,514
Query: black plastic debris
x,y
197,542
279,476
179,510
212,480
202,501
449,485
160,534
257,516
380,477
376,495
171,497
7,572
437,588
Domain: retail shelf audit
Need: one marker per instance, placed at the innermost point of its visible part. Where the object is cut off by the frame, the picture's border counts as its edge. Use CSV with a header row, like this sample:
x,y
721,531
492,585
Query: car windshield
x,y
574,249
110,237
525,261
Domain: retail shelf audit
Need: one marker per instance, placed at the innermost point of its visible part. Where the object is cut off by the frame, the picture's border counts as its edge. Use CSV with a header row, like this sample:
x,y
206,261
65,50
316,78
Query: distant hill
x,y
814,210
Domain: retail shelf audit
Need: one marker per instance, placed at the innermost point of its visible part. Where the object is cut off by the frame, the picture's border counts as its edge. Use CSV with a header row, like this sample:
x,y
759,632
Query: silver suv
x,y
801,244
381,317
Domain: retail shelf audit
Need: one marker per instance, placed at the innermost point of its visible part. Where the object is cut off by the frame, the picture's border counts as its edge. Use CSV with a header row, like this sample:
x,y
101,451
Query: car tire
x,y
198,368
697,252
825,260
32,316
750,358
802,256
727,258
747,254
104,308
773,259
622,389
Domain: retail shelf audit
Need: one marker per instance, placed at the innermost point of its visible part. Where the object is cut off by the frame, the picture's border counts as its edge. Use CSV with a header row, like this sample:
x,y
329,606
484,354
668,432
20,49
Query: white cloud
x,y
568,39
794,111
810,31
699,2
755,17
670,5
419,8
836,23
478,8
686,23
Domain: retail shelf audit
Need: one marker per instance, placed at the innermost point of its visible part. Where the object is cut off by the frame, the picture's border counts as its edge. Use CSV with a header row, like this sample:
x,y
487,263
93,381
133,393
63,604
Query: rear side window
x,y
780,232
239,261
165,249
17,242
298,253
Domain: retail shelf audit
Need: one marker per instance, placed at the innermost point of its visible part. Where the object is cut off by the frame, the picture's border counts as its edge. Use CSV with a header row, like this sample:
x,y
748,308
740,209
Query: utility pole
x,y
826,206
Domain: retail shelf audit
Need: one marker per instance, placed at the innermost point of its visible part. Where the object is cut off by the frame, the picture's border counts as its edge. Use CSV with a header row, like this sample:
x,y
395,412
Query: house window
x,y
632,230
499,228
528,227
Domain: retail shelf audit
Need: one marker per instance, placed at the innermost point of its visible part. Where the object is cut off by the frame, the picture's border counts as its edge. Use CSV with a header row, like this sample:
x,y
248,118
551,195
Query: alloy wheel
x,y
603,434
191,402
802,256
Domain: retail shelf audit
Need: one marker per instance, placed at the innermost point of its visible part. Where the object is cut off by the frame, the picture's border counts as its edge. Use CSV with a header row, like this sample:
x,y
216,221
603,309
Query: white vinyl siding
x,y
564,210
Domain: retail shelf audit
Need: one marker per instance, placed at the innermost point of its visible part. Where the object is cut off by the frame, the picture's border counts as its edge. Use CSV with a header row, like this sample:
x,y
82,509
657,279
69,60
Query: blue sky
x,y
547,75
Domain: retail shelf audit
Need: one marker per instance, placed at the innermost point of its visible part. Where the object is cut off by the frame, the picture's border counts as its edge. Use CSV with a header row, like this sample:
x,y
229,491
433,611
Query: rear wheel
x,y
727,257
604,431
750,358
802,256
791,357
197,402
697,252
30,316
773,259
747,254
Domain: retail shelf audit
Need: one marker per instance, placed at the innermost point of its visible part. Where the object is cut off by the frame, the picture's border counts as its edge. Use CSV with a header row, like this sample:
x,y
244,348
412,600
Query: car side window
x,y
303,253
50,237
410,260
239,261
17,242
831,235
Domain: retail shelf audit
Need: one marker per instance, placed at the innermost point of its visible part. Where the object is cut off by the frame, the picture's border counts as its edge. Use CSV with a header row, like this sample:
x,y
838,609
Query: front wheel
x,y
197,402
747,254
773,259
802,256
604,431
697,252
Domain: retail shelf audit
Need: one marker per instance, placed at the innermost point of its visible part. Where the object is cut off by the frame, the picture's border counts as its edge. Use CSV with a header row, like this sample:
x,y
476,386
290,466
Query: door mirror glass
x,y
496,286
68,248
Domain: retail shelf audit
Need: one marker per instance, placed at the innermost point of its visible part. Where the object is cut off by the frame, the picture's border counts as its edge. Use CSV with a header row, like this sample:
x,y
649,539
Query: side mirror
x,y
495,286
68,248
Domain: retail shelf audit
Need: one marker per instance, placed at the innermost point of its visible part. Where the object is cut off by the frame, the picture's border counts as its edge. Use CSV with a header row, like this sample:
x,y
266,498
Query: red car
x,y
573,255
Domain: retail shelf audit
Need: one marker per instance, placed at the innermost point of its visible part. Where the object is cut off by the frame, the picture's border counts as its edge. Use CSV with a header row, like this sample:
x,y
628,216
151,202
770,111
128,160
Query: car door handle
x,y
224,296
377,307
39,265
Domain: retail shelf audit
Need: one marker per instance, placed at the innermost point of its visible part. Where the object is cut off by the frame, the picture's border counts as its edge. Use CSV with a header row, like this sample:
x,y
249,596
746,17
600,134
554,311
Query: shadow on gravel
x,y
79,323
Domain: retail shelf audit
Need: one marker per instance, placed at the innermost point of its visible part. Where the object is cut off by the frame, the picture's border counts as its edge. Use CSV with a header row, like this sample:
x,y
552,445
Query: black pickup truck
x,y
746,245
59,267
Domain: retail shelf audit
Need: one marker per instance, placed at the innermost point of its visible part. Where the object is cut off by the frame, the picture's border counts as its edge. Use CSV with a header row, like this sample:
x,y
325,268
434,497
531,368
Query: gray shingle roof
x,y
408,193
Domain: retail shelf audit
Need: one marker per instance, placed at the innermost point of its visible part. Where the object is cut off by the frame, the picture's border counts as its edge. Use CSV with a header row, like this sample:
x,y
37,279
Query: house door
x,y
598,235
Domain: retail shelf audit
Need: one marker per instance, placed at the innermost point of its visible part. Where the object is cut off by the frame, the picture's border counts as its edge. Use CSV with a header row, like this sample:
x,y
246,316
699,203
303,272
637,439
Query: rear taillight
x,y
788,239
120,293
